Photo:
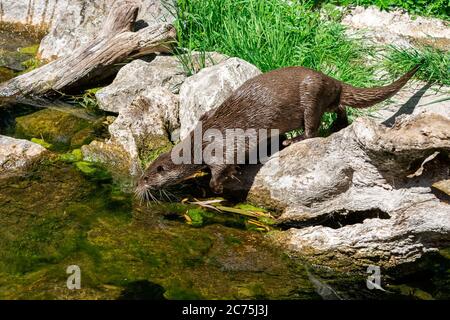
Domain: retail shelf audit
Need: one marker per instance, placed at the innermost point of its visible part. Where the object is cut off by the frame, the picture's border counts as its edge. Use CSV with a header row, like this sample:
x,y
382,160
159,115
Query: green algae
x,y
93,170
71,157
58,218
62,130
33,49
195,217
42,143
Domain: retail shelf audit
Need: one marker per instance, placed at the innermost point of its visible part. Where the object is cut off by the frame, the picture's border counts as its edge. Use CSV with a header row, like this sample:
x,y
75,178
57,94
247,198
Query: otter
x,y
285,99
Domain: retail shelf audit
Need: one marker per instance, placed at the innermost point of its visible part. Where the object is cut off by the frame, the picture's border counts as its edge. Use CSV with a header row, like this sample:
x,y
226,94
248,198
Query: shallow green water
x,y
56,217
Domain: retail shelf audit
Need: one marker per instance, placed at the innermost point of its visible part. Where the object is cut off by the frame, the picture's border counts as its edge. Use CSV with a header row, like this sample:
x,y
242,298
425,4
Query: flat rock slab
x,y
17,154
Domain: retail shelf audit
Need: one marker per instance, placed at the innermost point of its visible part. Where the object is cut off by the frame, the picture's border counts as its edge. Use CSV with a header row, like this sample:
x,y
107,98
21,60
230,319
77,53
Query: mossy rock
x,y
152,148
114,158
6,74
61,129
13,59
82,137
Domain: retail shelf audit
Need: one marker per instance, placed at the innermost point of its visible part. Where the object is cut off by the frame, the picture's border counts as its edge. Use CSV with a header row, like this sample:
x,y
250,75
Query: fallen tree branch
x,y
97,60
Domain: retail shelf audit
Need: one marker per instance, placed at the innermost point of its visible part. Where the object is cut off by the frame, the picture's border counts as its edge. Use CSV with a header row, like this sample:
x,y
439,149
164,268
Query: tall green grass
x,y
272,34
435,63
275,33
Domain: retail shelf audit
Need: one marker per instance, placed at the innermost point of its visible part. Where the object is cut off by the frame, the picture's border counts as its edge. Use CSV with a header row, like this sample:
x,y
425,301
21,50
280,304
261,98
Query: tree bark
x,y
115,43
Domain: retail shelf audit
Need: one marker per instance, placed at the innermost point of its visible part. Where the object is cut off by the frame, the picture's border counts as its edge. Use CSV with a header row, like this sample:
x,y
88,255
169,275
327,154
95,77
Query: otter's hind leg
x,y
341,121
312,106
319,95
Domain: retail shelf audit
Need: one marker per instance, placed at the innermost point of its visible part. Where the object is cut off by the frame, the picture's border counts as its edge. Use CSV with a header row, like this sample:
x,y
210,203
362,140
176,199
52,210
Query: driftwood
x,y
96,60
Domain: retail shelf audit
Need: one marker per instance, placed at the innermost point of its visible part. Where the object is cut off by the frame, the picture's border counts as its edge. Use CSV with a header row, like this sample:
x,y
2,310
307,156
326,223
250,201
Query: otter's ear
x,y
159,168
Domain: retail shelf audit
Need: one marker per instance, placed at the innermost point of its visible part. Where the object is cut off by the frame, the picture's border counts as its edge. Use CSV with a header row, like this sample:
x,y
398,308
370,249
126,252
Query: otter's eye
x,y
160,168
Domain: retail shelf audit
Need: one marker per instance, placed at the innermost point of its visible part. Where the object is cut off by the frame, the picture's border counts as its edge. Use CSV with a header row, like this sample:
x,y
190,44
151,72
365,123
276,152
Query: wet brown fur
x,y
284,99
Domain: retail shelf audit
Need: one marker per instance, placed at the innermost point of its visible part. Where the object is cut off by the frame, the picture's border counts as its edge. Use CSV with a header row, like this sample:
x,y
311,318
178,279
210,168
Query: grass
x,y
272,34
434,8
435,63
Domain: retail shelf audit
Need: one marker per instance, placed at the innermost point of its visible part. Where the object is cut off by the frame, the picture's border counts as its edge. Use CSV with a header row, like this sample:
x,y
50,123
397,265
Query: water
x,y
18,45
56,216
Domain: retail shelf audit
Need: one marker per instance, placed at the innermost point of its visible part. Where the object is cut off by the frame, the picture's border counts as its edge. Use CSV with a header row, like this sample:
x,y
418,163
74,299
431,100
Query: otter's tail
x,y
367,97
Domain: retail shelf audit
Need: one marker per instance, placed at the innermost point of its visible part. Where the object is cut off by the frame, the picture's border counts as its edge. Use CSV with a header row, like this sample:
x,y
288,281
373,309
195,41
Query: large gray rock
x,y
17,154
139,134
363,194
398,27
77,22
140,76
207,89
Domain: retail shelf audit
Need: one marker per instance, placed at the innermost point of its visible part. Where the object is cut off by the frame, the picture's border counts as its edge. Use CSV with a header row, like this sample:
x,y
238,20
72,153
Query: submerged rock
x,y
141,76
207,89
13,59
62,129
17,154
138,135
75,23
362,194
398,27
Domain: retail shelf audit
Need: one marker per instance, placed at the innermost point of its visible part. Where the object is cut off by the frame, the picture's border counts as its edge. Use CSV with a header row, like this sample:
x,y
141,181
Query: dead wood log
x,y
98,59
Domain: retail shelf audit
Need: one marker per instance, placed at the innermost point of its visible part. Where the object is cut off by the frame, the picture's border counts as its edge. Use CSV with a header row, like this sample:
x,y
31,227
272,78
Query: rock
x,y
397,27
138,135
13,60
37,13
207,89
357,196
17,154
56,127
75,23
140,76
416,97
6,74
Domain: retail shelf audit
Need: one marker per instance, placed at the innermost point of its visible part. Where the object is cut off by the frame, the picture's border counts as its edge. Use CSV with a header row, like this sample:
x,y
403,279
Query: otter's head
x,y
161,174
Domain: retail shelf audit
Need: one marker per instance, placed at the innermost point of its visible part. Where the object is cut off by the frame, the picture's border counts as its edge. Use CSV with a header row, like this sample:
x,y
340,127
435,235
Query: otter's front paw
x,y
216,187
